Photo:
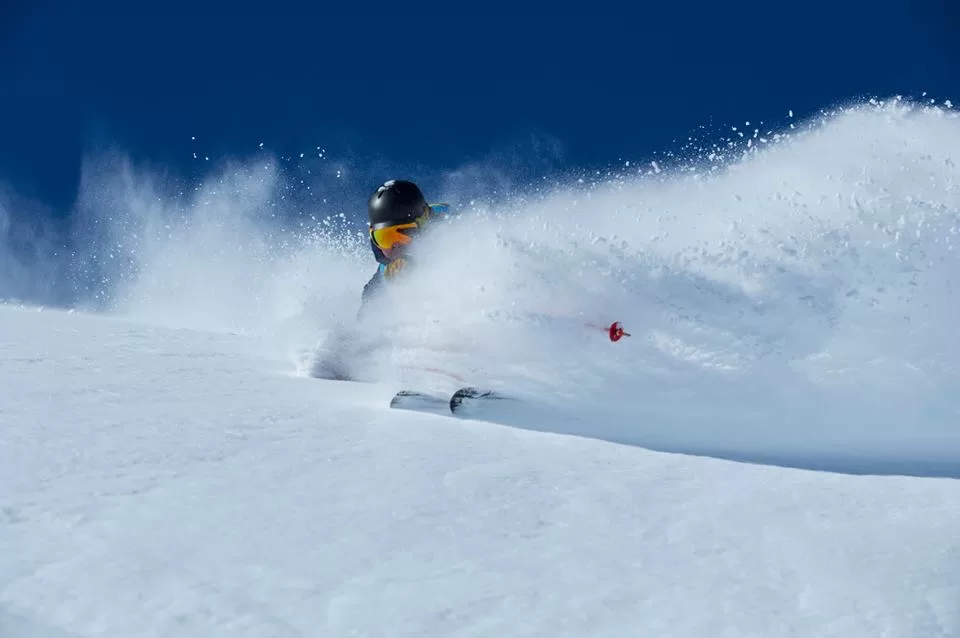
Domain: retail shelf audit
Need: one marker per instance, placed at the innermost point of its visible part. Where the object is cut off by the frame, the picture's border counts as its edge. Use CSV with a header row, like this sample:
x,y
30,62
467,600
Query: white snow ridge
x,y
773,452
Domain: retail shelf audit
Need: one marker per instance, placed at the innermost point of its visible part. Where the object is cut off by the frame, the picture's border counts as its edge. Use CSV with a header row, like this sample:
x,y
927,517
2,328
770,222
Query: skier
x,y
397,213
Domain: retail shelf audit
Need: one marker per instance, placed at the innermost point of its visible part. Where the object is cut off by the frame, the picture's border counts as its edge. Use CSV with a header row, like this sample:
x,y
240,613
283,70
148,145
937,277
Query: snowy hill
x,y
773,452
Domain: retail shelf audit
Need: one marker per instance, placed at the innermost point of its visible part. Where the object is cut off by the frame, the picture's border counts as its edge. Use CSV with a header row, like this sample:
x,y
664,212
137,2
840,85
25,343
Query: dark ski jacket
x,y
372,287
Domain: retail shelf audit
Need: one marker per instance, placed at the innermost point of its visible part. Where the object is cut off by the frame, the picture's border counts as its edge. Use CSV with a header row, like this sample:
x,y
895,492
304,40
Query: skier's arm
x,y
370,289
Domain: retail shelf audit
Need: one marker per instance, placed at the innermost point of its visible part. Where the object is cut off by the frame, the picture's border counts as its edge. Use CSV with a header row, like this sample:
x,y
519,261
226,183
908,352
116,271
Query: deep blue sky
x,y
436,90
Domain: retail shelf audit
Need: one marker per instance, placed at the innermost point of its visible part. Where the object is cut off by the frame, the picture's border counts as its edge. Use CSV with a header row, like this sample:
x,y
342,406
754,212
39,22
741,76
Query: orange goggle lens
x,y
390,238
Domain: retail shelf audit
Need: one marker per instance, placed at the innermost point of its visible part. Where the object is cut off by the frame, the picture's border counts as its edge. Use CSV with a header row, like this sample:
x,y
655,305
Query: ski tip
x,y
403,396
468,393
419,401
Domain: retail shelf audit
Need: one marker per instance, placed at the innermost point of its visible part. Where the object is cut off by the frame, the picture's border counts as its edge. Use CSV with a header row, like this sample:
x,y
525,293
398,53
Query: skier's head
x,y
397,201
397,211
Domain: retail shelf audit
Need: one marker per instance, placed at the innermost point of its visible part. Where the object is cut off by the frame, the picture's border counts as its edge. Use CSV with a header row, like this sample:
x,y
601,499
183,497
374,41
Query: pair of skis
x,y
470,401
465,401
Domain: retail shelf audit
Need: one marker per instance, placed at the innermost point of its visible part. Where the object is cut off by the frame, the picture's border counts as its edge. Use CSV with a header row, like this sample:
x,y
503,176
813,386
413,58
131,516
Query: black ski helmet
x,y
396,202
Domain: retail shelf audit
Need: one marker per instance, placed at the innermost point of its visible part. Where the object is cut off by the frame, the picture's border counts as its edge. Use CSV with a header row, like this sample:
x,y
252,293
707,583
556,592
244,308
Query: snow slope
x,y
164,482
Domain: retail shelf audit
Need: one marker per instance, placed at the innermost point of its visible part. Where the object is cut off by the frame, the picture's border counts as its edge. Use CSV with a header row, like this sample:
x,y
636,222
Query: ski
x,y
467,401
420,402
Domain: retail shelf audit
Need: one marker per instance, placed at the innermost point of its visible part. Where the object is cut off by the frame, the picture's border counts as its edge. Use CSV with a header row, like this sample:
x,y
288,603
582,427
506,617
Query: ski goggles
x,y
391,239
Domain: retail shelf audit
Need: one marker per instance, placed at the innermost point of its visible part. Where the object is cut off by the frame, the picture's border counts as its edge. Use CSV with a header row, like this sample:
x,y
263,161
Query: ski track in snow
x,y
168,482
169,467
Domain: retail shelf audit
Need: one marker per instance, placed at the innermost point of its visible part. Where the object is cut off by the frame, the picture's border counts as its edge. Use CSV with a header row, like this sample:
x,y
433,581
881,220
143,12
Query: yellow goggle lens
x,y
391,236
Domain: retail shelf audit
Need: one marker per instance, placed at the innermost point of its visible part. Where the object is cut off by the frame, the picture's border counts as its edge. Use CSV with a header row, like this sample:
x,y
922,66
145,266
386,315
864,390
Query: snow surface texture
x,y
161,482
173,469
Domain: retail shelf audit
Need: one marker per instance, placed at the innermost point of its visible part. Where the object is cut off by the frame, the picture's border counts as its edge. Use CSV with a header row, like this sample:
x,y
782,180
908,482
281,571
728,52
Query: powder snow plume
x,y
790,297
796,306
